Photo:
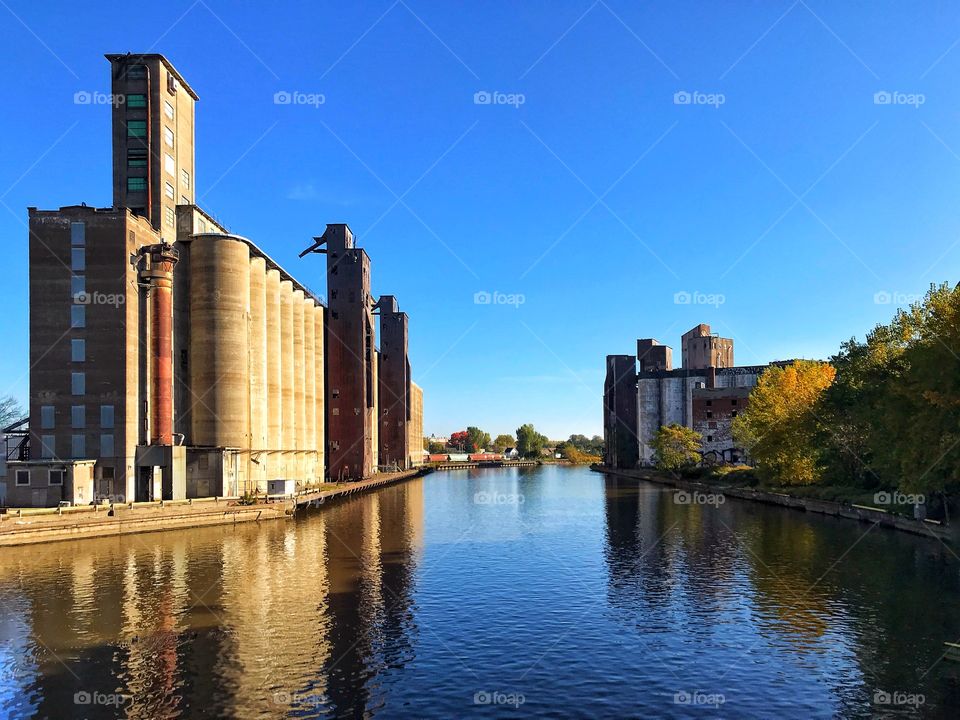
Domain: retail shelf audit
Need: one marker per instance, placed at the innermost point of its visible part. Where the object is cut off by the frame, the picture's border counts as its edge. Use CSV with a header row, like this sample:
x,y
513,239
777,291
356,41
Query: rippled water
x,y
552,592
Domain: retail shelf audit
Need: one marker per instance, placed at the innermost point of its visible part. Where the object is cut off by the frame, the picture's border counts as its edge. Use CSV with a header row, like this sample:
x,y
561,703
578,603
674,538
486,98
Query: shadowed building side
x,y
620,412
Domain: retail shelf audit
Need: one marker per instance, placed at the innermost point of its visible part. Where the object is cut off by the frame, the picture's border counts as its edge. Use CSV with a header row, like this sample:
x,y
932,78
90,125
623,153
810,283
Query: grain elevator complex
x,y
172,359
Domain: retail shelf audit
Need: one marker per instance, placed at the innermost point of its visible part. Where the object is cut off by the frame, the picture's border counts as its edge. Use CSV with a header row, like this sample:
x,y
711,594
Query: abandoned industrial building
x,y
172,359
644,392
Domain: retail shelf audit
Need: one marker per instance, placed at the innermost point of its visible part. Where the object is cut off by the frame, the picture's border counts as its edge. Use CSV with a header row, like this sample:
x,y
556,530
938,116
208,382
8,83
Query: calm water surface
x,y
551,592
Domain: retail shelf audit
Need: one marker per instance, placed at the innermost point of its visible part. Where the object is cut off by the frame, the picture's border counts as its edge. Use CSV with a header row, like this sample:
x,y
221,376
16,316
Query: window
x,y
78,286
709,403
78,259
136,184
48,417
169,191
168,136
78,350
106,416
137,100
78,233
78,383
136,157
23,478
733,402
78,316
136,72
336,411
47,446
137,128
78,417
56,477
185,179
709,414
78,446
184,200
106,446
168,110
733,414
169,164
709,438
169,216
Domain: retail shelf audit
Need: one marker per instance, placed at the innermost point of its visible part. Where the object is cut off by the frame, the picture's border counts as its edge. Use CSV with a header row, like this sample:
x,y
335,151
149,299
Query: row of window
x,y
54,477
78,417
78,446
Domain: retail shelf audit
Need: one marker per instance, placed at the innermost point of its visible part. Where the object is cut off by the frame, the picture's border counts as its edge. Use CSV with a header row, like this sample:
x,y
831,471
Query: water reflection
x,y
585,595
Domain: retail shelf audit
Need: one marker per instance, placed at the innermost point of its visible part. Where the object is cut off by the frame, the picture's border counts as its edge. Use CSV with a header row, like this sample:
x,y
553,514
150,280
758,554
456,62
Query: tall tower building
x,y
701,349
349,357
153,139
620,412
394,380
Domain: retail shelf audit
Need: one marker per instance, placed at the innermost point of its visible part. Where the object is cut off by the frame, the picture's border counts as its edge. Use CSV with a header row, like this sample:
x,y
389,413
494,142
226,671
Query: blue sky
x,y
793,208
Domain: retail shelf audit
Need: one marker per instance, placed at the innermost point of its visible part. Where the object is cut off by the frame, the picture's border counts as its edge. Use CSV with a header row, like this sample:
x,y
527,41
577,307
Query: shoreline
x,y
860,513
29,526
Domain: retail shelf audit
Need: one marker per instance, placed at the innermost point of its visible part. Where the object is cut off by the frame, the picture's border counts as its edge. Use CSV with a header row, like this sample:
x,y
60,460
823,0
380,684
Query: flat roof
x,y
112,57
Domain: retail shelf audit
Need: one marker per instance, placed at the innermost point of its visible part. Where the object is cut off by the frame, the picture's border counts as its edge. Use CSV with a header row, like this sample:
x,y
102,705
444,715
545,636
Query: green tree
x,y
530,443
779,426
435,448
477,439
676,446
503,441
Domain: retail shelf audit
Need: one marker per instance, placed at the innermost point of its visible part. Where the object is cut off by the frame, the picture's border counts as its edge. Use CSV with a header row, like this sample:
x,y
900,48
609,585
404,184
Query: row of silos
x,y
256,364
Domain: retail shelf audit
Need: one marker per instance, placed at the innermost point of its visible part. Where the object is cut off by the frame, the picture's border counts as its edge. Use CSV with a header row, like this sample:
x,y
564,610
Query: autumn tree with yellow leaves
x,y
779,426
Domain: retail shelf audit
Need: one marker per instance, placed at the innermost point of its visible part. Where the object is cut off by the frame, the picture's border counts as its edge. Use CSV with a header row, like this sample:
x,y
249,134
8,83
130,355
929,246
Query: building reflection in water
x,y
293,618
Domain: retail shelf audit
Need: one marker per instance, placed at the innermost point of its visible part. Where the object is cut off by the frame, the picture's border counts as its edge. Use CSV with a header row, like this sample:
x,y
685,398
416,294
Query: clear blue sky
x,y
597,199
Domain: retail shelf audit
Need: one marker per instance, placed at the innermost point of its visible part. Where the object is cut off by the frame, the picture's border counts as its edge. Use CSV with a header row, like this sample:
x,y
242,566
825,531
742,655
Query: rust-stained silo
x,y
220,303
289,414
309,394
259,414
299,381
274,376
319,425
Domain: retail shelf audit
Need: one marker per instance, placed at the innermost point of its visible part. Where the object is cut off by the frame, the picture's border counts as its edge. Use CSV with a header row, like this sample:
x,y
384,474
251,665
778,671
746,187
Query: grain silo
x,y
259,413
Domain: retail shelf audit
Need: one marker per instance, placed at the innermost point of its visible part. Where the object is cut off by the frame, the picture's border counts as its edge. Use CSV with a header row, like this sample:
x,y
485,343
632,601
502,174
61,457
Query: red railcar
x,y
438,458
482,457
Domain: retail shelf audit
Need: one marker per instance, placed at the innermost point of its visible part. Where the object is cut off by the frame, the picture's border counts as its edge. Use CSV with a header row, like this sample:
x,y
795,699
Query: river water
x,y
549,592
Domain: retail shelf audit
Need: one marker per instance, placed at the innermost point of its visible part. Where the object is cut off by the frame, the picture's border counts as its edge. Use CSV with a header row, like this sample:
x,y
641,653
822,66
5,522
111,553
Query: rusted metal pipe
x,y
157,272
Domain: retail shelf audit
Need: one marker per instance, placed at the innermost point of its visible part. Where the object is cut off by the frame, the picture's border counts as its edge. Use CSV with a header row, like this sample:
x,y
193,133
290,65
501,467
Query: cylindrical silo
x,y
299,382
286,381
274,378
220,303
321,389
309,394
259,414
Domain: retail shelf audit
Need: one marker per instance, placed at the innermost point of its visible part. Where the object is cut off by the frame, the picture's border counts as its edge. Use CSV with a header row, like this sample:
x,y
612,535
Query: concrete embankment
x,y
39,525
861,513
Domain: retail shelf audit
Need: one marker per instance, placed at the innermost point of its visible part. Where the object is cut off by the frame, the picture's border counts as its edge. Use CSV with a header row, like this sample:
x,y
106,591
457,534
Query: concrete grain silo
x,y
274,377
319,375
309,394
298,383
289,414
220,305
259,413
